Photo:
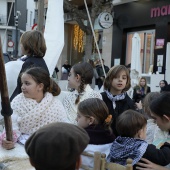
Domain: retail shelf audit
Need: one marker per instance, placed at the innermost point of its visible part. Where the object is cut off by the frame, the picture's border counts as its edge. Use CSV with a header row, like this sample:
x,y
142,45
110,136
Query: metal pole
x,y
40,23
16,42
16,33
6,107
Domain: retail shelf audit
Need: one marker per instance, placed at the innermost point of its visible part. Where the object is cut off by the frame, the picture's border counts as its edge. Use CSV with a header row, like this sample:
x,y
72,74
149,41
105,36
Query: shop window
x,y
147,39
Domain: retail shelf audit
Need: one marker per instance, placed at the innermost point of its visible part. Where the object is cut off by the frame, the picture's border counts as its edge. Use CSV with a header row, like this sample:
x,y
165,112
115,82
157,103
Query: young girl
x,y
35,106
140,90
160,111
131,143
116,84
93,116
80,78
152,127
34,47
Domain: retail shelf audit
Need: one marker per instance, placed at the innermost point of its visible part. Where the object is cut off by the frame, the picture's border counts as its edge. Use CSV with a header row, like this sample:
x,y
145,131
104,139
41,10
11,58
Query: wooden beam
x,y
5,102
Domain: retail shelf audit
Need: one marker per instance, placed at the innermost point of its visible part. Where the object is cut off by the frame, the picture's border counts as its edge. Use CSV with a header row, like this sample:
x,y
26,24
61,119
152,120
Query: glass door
x,y
147,48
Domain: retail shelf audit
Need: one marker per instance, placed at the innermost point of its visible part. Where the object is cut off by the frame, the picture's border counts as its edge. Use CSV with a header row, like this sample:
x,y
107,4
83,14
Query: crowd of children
x,y
109,122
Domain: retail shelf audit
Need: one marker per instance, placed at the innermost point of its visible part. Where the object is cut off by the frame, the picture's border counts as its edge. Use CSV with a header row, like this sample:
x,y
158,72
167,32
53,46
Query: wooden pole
x,y
5,102
40,24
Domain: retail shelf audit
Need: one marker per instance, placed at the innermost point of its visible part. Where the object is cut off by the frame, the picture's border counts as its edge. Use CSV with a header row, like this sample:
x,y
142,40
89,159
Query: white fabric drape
x,y
136,68
54,33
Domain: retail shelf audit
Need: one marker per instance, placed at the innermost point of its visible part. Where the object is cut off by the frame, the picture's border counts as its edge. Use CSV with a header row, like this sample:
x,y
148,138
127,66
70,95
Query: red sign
x,y
34,27
10,43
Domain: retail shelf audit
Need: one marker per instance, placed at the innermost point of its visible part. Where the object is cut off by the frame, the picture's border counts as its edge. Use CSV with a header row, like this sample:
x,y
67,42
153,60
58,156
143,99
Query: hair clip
x,y
108,119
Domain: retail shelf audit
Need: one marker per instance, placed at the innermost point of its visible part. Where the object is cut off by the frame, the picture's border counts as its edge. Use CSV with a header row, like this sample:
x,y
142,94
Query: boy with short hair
x,y
131,127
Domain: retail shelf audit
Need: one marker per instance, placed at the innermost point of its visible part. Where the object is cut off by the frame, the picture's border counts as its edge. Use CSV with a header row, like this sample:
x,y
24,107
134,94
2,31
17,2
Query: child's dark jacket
x,y
98,135
121,106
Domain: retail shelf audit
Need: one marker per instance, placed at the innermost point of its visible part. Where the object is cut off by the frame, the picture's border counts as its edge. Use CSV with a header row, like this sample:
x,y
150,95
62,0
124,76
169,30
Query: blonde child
x,y
80,78
131,143
116,84
35,107
93,116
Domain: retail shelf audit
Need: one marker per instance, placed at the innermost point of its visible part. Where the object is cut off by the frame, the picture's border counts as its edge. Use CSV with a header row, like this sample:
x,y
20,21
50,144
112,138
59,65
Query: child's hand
x,y
138,92
7,144
148,165
139,105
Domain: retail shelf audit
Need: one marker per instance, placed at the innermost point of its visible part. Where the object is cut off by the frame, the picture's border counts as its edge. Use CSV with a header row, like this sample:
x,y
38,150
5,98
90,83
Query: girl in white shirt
x,y
80,78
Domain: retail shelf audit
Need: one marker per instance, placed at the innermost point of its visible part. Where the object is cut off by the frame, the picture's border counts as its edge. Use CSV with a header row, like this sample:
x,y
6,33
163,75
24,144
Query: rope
x,y
94,38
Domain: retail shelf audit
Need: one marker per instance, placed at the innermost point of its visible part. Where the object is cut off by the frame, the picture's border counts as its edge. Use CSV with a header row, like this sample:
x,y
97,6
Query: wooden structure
x,y
100,163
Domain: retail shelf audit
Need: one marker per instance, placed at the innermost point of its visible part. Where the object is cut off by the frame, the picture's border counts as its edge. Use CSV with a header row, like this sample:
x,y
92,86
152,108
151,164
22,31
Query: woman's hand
x,y
148,165
7,144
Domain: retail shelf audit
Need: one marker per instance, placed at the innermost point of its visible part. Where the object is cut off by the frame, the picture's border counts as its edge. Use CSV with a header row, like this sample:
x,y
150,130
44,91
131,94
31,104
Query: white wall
x,y
107,46
30,14
3,40
3,8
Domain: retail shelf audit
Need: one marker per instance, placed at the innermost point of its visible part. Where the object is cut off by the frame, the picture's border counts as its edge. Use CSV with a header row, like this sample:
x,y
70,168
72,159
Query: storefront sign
x,y
105,20
160,11
159,42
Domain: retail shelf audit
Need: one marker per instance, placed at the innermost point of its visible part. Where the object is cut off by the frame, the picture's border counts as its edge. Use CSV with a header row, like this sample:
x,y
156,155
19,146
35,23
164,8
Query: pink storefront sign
x,y
160,42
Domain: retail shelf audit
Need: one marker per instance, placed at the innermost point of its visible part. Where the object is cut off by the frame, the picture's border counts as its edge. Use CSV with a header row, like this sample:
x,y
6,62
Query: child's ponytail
x,y
108,122
85,71
80,90
53,88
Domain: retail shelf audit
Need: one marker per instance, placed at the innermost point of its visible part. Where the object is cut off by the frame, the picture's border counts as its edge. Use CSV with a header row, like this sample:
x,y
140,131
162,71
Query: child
x,y
34,47
154,134
45,147
35,106
80,78
93,116
140,90
116,84
131,143
160,111
152,128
